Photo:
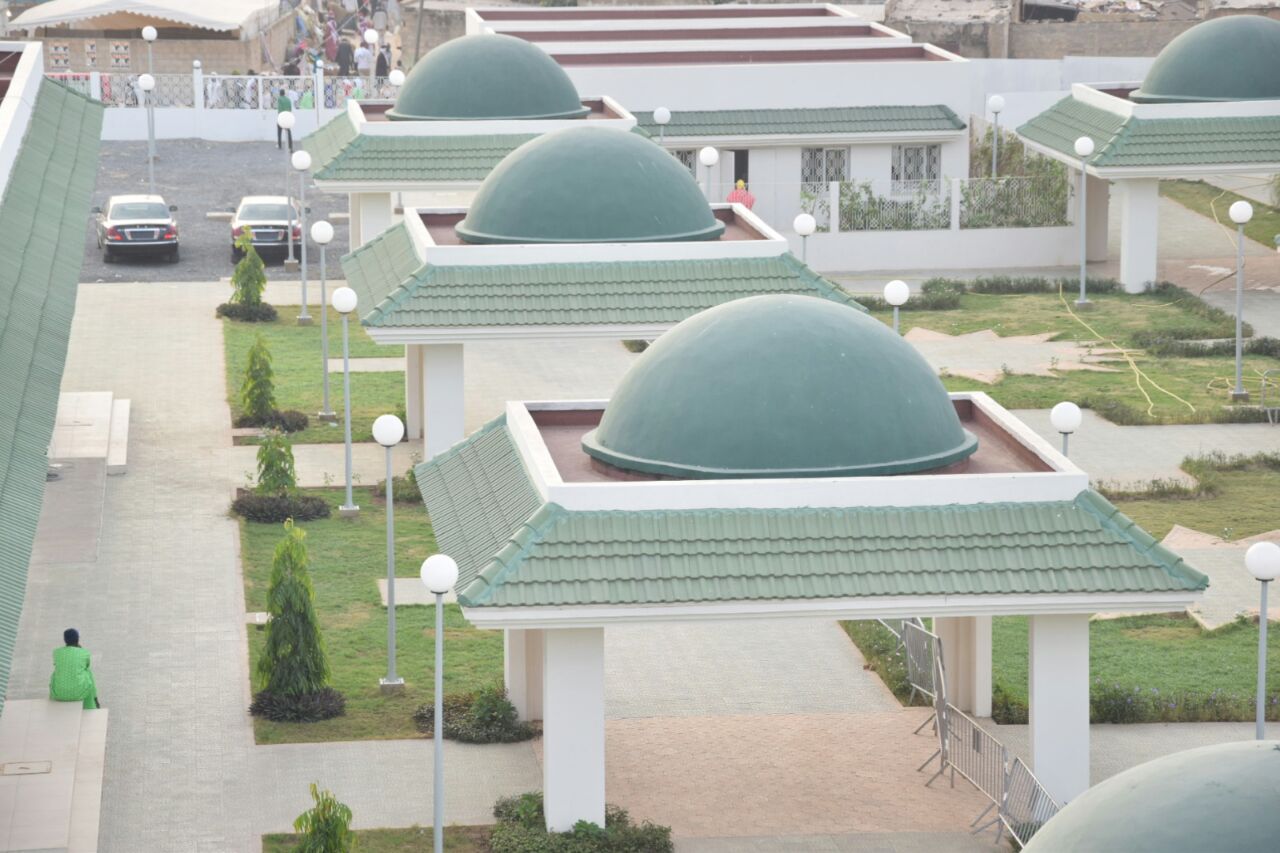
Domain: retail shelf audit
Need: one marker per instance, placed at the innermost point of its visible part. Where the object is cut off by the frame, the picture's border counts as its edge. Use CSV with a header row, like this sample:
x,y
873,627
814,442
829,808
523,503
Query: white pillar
x,y
1059,703
1139,232
957,194
353,219
966,657
413,391
442,397
833,202
1097,206
573,727
522,670
375,215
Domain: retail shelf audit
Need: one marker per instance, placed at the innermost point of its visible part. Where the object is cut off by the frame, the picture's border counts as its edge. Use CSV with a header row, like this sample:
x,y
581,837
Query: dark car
x,y
268,219
136,225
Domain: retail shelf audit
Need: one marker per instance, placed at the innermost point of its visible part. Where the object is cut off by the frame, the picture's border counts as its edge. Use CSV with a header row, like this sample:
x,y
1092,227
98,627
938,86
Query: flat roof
x,y
562,431
599,109
657,13
856,31
898,53
440,225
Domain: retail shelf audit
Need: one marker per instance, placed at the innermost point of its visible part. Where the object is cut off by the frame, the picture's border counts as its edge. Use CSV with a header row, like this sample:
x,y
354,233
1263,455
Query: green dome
x,y
1236,58
780,386
588,184
1221,797
486,77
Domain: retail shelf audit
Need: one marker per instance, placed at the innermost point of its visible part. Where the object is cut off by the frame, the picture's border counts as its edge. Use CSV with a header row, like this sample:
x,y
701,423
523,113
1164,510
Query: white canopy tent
x,y
249,16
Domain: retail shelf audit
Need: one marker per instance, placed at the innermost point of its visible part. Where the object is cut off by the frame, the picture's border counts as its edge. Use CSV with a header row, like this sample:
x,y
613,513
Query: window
x,y
916,168
120,54
820,166
688,157
90,54
59,54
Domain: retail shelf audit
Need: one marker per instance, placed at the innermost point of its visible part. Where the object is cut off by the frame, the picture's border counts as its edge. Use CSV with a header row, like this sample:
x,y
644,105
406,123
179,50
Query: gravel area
x,y
200,177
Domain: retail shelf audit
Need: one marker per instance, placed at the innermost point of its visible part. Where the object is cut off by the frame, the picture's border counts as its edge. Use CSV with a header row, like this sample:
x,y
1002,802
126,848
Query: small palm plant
x,y
326,826
250,276
258,389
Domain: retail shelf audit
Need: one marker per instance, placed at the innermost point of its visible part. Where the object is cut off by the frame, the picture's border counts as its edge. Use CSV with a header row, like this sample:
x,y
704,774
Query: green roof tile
x,y
42,216
514,550
619,292
826,120
1126,142
366,157
329,141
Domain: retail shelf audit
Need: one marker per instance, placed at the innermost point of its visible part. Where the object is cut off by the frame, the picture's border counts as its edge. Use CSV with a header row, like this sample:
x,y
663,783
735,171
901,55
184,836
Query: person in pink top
x,y
741,195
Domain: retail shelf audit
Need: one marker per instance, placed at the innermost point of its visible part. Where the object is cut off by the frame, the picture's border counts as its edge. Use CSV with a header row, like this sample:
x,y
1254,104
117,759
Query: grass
x,y
1213,202
1234,498
295,358
1202,382
457,839
347,558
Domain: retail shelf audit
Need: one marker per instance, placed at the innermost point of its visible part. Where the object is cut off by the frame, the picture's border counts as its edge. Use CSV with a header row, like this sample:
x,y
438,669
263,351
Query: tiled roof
x,y
1135,142
603,293
42,218
366,157
329,141
478,496
843,121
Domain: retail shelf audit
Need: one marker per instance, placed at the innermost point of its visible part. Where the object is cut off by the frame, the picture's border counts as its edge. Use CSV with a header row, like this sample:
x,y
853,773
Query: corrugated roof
x,y
1135,142
844,121
478,496
604,293
42,218
366,157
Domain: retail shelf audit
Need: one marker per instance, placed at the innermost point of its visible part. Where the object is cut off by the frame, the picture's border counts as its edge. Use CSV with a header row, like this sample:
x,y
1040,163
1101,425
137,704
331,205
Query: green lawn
x,y
457,839
295,358
1214,202
347,558
1124,395
1236,502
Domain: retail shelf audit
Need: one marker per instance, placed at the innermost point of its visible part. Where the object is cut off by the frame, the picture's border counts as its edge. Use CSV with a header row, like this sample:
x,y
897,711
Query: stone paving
x,y
985,356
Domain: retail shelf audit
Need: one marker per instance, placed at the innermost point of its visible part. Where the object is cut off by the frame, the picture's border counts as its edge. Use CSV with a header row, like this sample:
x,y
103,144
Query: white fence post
x,y
95,85
956,185
833,190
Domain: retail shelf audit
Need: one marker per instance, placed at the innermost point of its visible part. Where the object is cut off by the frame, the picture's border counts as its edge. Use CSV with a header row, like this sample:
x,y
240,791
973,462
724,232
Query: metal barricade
x,y
1026,805
939,719
977,756
922,651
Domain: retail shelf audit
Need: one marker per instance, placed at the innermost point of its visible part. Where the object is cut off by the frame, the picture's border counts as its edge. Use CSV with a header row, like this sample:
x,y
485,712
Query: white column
x,y
413,391
966,657
957,194
442,397
353,219
375,215
1097,206
833,201
573,727
1139,232
1059,682
522,670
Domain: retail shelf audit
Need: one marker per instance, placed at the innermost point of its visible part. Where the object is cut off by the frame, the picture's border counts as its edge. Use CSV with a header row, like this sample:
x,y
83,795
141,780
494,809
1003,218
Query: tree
x,y
326,827
250,277
258,390
276,474
293,661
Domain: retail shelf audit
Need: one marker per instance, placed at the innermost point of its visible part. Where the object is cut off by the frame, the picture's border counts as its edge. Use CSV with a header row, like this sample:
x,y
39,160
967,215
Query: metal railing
x,y
121,89
81,82
977,756
924,667
1015,202
1026,805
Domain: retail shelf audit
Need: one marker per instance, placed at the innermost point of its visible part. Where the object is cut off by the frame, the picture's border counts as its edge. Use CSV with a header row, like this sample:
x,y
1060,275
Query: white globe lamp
x,y
388,430
322,232
439,573
396,77
285,120
1240,212
301,160
1066,418
1263,560
146,82
149,33
804,224
1084,147
344,300
897,293
996,104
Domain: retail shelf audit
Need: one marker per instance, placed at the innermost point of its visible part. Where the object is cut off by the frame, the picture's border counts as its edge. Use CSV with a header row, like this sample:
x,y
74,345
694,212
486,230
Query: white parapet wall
x,y
982,248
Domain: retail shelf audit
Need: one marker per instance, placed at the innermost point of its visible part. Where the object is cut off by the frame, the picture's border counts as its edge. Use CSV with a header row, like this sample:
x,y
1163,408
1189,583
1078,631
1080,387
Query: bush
x,y
276,475
521,828
249,278
486,716
298,708
326,827
404,489
636,345
260,313
1006,708
277,509
258,388
285,420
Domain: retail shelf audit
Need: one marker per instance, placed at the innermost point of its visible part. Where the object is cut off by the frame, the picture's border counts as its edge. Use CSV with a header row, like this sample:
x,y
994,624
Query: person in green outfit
x,y
283,105
72,681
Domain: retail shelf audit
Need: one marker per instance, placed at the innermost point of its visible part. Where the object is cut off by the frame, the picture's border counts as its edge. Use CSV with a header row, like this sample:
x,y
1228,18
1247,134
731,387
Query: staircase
x,y
92,425
52,757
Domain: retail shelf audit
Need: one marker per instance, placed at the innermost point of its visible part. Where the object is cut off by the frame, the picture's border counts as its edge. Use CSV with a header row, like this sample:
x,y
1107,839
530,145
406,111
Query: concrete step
x,y
82,427
86,796
39,749
118,438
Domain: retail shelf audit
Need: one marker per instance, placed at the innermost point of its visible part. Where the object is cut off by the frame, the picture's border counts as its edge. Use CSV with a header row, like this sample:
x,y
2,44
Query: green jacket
x,y
72,681
283,104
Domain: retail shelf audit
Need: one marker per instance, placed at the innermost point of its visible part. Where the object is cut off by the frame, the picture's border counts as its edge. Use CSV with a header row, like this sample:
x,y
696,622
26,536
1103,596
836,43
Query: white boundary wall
x,y
971,248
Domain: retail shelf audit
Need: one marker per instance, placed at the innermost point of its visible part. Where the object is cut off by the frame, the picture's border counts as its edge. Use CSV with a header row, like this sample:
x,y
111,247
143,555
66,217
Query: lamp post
x,y
301,161
322,234
1066,418
371,39
1240,212
896,293
804,225
1084,149
285,121
387,431
147,84
661,116
996,104
344,302
708,157
439,573
149,35
396,79
1263,562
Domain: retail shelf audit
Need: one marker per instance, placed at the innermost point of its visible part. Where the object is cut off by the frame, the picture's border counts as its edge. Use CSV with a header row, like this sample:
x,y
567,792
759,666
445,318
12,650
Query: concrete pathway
x,y
1254,187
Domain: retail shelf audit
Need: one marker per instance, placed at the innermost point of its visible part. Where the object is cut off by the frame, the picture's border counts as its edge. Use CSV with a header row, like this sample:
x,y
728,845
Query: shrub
x,y
635,345
521,828
293,671
261,313
257,388
285,420
1006,708
277,509
326,826
880,649
276,474
486,716
249,278
402,488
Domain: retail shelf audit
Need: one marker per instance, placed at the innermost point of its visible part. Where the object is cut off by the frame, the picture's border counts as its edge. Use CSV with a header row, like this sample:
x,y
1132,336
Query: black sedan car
x,y
136,225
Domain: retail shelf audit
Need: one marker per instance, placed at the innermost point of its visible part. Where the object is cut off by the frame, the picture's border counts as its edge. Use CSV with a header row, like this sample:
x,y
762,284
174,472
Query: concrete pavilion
x,y
1210,105
782,456
583,232
463,107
